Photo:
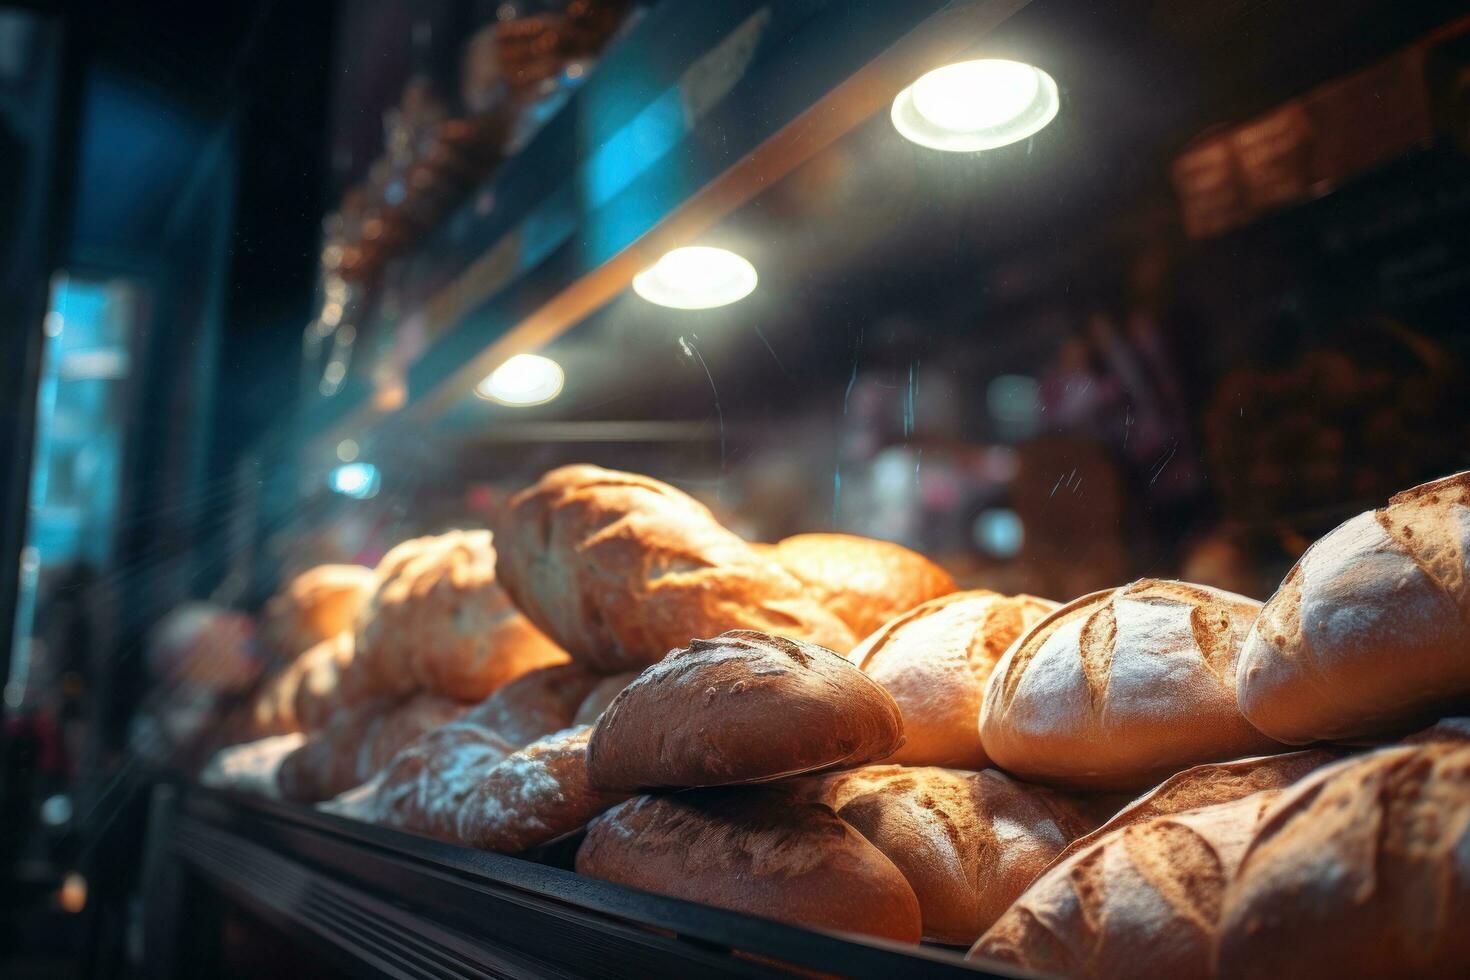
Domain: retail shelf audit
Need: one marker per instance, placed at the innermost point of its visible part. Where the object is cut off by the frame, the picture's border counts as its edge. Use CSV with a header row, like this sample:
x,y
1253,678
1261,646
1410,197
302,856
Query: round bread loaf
x,y
1360,870
1370,632
534,796
620,569
743,707
424,788
1119,689
438,621
756,850
1143,901
935,660
967,842
601,696
315,606
863,581
253,767
535,704
1208,785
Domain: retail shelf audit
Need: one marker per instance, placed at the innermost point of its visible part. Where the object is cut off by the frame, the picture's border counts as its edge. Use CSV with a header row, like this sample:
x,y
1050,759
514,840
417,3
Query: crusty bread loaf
x,y
601,696
316,695
1143,901
315,606
1119,689
863,581
1208,785
743,707
1360,870
757,850
536,704
935,660
967,842
620,569
252,767
424,788
438,621
534,796
1370,632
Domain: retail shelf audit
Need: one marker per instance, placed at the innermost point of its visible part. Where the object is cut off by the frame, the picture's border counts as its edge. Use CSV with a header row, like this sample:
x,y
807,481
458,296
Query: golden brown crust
x,y
315,606
601,696
536,704
935,660
756,850
1121,688
317,697
1142,901
967,842
620,569
438,621
865,582
743,707
1361,870
1369,633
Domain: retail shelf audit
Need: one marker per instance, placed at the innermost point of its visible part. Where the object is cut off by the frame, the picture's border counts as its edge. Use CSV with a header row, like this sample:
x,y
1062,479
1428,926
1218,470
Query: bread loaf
x,y
620,569
756,850
601,696
743,707
1360,870
1143,901
863,581
438,621
316,695
1370,632
424,788
967,842
315,606
536,704
252,767
534,796
1119,689
935,660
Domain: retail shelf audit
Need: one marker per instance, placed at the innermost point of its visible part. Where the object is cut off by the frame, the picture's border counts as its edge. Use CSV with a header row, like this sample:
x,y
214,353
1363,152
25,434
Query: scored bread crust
x,y
1118,689
620,569
863,581
1362,870
1143,901
757,850
967,842
315,606
935,659
1370,631
742,707
438,621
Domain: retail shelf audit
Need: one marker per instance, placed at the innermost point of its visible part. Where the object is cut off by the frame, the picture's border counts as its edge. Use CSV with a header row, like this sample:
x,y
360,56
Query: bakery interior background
x,y
1177,330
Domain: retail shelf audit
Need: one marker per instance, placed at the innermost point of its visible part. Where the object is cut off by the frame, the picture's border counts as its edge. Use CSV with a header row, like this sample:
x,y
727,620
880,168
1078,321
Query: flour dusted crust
x,y
315,606
1361,870
935,659
863,581
534,796
438,621
252,767
1121,688
1370,632
757,850
424,788
743,707
619,569
967,842
1143,901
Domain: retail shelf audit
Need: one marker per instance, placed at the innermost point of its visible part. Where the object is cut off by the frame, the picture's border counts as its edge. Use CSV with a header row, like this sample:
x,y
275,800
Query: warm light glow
x,y
696,277
976,105
357,480
526,379
73,894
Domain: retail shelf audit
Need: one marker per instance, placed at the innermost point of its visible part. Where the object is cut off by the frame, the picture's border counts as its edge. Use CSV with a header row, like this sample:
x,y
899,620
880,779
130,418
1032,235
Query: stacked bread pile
x,y
1160,779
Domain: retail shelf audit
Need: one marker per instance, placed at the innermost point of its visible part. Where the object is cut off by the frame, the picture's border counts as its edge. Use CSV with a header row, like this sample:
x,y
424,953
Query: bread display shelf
x,y
376,902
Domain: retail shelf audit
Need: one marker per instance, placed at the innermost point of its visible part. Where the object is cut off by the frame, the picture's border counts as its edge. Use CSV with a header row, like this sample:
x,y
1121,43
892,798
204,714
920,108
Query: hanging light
x,y
976,105
524,380
696,277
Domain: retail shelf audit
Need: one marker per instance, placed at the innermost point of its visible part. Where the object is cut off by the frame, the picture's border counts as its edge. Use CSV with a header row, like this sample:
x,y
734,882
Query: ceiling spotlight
x,y
526,379
976,105
696,277
357,480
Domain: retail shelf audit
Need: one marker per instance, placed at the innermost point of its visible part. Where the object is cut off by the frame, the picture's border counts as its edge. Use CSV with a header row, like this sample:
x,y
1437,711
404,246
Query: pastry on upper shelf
x,y
1119,689
743,707
438,621
1370,632
315,606
935,660
756,850
620,569
863,581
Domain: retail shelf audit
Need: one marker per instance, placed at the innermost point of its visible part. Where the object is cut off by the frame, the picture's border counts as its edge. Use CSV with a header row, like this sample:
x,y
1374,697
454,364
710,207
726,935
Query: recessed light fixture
x,y
976,105
524,380
696,277
357,480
